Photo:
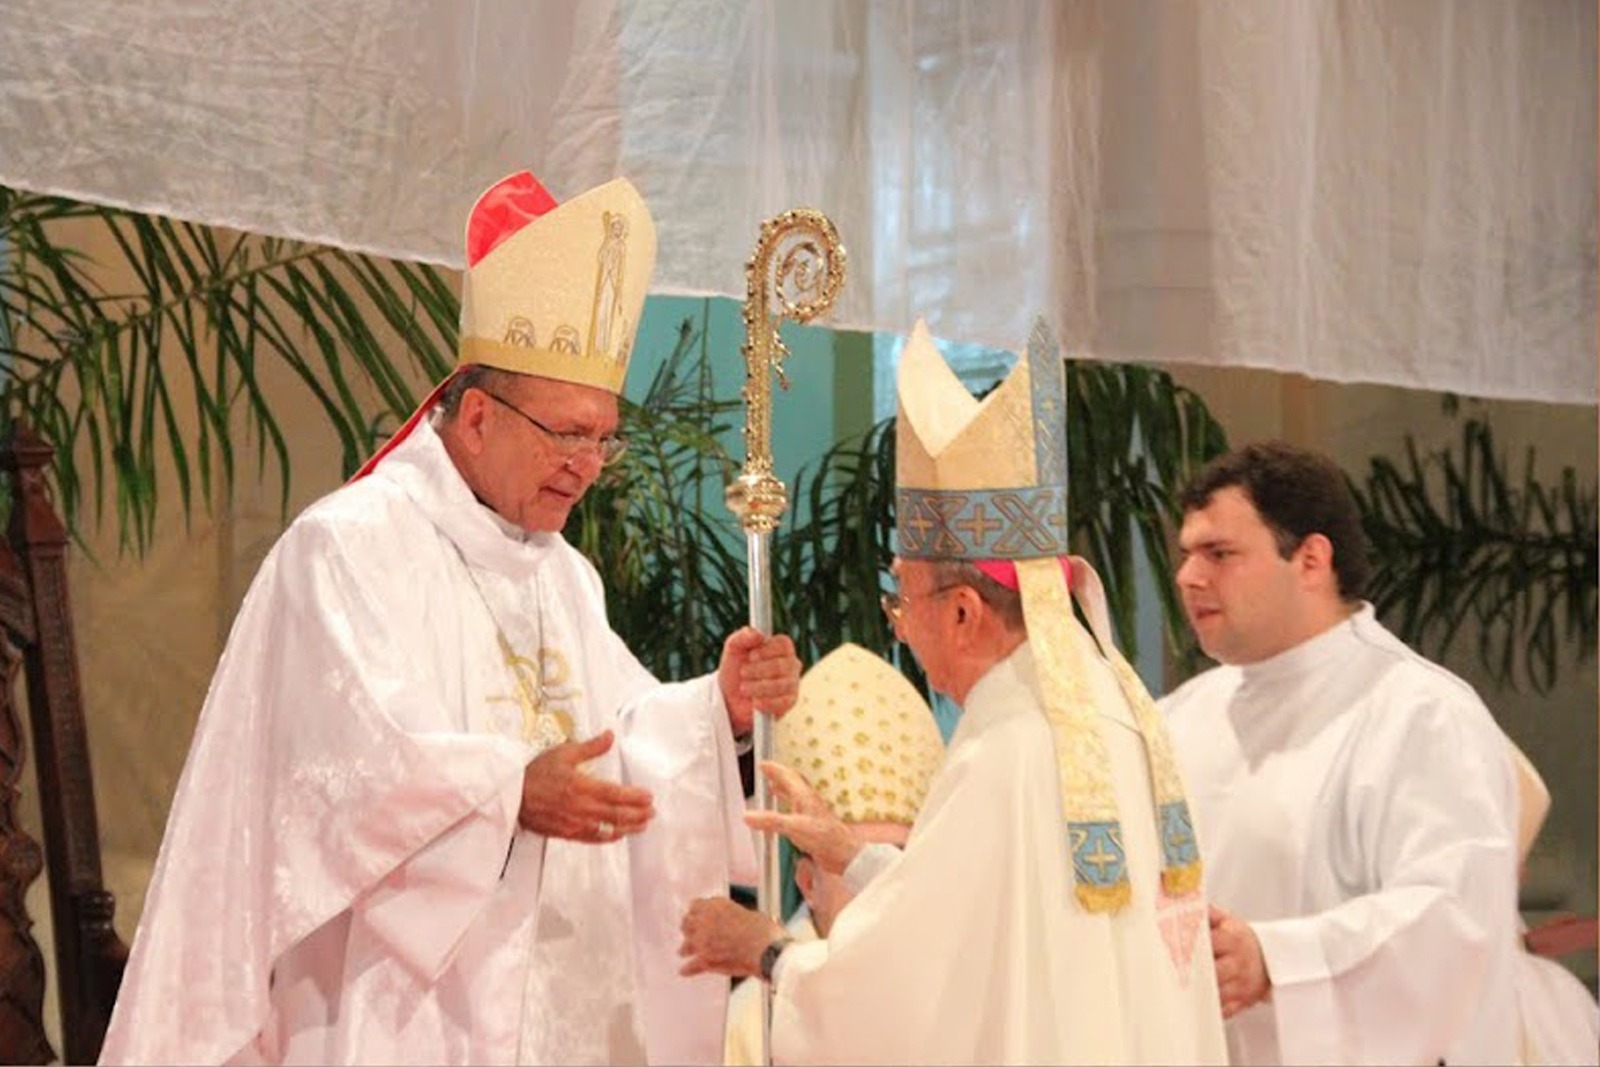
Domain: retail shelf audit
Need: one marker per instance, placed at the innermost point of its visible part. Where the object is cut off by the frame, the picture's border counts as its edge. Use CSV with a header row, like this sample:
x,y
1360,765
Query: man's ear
x,y
967,601
1316,557
467,424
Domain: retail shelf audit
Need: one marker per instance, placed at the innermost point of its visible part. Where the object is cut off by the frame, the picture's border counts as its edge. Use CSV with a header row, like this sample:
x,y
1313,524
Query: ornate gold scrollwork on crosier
x,y
795,273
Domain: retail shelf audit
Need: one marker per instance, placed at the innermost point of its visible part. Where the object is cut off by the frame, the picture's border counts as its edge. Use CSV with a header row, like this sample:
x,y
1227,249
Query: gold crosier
x,y
795,273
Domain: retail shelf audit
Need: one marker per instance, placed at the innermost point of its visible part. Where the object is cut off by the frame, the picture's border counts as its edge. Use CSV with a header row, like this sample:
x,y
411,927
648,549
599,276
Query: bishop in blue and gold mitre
x,y
986,482
1047,907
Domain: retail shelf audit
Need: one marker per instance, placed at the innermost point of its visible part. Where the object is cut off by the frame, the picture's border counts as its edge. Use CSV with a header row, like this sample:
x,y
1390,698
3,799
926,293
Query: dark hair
x,y
472,376
1298,493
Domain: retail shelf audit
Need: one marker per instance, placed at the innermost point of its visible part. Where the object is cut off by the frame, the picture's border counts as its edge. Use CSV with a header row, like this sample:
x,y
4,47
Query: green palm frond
x,y
1134,437
150,358
171,355
1456,541
841,549
655,525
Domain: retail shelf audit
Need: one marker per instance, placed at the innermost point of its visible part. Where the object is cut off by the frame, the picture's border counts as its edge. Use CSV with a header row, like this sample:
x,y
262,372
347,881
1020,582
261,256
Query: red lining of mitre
x,y
504,208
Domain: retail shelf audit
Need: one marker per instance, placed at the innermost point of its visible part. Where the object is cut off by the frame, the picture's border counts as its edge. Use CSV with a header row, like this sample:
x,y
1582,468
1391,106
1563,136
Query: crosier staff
x,y
796,273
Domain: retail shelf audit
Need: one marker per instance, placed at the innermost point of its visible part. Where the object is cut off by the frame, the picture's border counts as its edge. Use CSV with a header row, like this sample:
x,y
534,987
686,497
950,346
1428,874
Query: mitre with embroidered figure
x,y
553,290
556,290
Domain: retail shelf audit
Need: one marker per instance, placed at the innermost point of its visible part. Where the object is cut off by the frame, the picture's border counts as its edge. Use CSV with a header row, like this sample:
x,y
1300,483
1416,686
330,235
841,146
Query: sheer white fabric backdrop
x,y
1358,190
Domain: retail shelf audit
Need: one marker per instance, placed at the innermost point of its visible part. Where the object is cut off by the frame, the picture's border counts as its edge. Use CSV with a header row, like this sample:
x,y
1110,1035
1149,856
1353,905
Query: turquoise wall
x,y
830,376
829,398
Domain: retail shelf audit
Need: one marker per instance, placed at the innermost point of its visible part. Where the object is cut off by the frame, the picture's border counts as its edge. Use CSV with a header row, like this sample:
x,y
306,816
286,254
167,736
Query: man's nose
x,y
586,463
1189,571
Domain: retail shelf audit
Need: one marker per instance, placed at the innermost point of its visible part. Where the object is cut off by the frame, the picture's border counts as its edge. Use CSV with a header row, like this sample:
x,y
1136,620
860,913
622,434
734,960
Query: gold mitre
x,y
556,290
981,479
862,736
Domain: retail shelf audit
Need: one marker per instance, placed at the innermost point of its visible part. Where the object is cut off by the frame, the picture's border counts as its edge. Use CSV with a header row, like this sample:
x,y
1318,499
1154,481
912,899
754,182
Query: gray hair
x,y
1004,602
473,376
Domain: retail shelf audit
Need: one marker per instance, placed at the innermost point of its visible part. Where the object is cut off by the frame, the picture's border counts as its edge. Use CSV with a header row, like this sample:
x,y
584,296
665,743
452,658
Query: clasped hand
x,y
1242,979
722,937
757,671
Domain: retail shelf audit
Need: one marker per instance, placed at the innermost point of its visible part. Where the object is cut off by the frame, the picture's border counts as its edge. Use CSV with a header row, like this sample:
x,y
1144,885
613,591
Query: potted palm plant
x,y
98,369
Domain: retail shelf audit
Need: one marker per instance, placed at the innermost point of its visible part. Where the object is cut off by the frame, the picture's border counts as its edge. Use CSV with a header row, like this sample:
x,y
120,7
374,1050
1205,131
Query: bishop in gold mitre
x,y
435,811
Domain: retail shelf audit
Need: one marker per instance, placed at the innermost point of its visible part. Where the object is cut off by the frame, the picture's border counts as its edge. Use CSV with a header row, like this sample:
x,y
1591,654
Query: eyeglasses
x,y
894,604
609,449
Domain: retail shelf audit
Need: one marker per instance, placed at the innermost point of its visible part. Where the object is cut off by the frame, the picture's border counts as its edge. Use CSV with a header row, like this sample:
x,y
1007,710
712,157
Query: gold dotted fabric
x,y
863,737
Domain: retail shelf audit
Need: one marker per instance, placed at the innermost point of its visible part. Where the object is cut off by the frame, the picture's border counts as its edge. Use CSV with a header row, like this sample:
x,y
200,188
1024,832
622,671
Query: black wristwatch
x,y
769,957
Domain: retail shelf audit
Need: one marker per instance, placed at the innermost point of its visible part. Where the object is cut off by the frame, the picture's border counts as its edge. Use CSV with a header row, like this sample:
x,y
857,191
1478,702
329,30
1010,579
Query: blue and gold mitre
x,y
981,479
985,481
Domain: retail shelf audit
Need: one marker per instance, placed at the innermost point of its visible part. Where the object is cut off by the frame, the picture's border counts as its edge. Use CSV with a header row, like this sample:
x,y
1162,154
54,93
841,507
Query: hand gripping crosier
x,y
798,265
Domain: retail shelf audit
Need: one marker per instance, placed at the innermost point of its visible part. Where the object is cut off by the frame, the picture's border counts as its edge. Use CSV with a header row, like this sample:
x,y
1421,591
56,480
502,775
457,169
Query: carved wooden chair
x,y
36,627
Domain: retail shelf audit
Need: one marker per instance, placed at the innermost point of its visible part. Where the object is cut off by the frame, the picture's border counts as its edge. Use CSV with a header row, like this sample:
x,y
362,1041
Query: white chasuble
x,y
970,947
1356,806
343,879
1560,1020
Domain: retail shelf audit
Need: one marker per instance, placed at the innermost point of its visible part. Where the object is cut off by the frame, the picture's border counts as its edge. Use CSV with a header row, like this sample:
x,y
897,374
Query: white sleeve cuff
x,y
870,862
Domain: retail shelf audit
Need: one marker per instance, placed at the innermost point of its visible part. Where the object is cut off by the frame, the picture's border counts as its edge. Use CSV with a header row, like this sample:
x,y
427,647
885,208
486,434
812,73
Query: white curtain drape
x,y
1359,190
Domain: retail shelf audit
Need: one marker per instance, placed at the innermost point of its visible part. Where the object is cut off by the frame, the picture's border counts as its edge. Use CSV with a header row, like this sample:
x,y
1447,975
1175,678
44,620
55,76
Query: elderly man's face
x,y
527,474
924,621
